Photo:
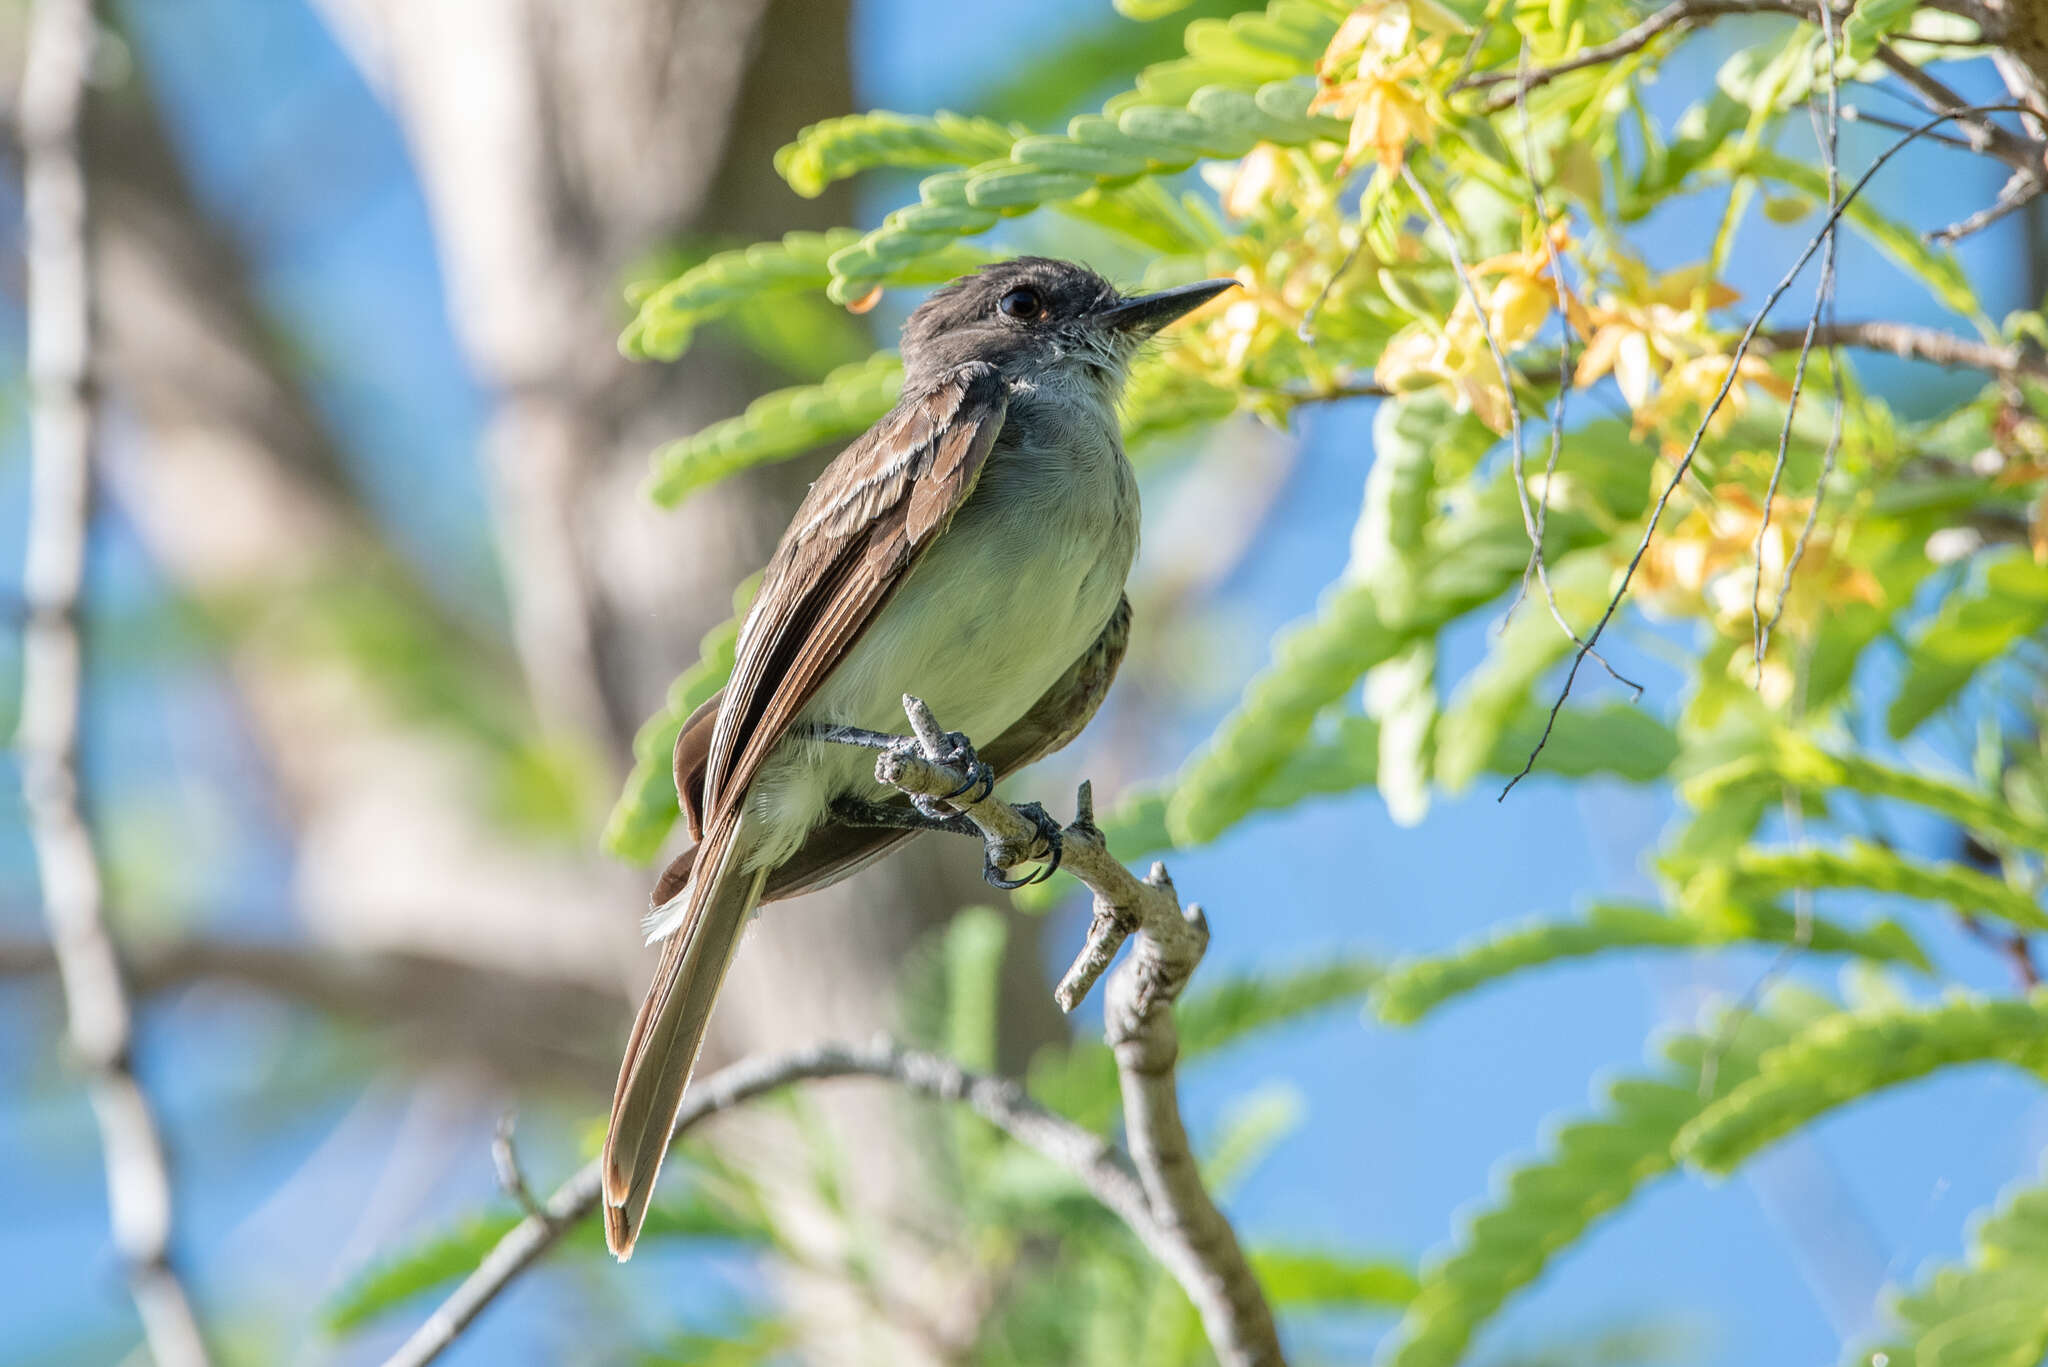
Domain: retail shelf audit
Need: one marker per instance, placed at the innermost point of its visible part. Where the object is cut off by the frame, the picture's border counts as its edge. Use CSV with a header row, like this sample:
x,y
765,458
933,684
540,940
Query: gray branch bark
x,y
1183,1228
98,1019
1156,1188
1000,1101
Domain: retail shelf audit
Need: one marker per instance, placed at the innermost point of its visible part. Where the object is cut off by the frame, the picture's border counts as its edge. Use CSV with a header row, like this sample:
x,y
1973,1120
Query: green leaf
x,y
1870,23
1144,11
451,1253
1469,557
668,314
1079,1079
454,1252
646,810
1767,873
1411,988
1792,759
1496,694
1315,662
1987,1311
974,943
1615,739
1304,1279
1972,629
1250,1128
1592,1167
1221,1012
1851,1055
1246,79
777,426
836,149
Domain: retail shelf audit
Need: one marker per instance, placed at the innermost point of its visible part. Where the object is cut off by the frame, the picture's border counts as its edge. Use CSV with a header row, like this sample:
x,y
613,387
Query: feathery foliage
x,y
1849,1056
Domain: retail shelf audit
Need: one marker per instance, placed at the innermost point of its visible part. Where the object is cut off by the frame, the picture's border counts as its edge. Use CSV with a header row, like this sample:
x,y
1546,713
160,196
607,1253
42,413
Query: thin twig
x,y
2020,189
2012,946
1699,435
1911,343
1564,316
1105,1171
1632,41
1829,138
505,1158
1307,330
1853,114
98,1018
1984,135
1519,455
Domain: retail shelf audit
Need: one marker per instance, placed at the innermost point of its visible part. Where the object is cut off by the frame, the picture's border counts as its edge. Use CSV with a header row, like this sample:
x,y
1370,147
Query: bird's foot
x,y
997,855
849,810
955,752
959,754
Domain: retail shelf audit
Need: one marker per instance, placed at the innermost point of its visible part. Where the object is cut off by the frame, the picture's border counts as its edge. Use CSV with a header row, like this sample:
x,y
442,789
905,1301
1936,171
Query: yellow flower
x,y
1707,565
1455,356
1385,113
1659,345
1388,92
1262,171
1693,385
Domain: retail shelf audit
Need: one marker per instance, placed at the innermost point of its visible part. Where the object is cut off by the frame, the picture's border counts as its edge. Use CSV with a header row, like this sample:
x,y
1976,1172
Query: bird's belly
x,y
998,608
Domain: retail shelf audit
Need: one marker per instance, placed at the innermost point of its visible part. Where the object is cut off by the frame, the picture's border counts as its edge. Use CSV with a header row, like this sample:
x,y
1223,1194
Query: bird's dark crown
x,y
1020,314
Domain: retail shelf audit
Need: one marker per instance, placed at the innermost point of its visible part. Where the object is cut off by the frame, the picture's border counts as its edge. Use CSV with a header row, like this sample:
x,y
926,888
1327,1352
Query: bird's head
x,y
1037,319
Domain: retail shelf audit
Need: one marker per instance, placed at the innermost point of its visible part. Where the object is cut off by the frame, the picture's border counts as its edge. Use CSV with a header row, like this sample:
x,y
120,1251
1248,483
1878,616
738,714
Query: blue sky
x,y
1401,1129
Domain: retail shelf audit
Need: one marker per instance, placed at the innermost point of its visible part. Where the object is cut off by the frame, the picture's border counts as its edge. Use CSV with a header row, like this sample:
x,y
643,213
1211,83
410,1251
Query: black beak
x,y
1148,313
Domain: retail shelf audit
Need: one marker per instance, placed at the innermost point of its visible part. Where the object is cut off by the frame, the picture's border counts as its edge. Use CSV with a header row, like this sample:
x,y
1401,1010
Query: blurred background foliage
x,y
395,620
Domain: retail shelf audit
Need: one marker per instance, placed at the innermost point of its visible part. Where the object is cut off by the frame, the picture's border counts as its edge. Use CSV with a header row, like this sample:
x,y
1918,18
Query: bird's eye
x,y
1021,303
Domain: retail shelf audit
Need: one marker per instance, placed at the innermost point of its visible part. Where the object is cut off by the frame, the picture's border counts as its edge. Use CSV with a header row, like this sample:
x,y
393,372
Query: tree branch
x,y
516,1026
1193,1240
1156,1189
61,418
1632,41
1105,1171
1911,343
1983,134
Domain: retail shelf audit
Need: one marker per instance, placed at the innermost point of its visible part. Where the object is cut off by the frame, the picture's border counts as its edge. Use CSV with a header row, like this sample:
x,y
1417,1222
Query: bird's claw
x,y
959,754
1048,832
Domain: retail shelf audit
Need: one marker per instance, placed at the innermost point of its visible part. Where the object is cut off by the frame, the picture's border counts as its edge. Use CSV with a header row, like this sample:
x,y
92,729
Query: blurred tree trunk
x,y
558,141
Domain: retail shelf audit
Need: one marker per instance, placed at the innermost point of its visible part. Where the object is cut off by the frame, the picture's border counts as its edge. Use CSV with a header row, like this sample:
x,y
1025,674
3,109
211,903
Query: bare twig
x,y
2019,190
1828,128
1706,419
1983,135
505,1158
1507,380
1633,41
97,1015
1106,1172
1156,1189
1853,114
2012,946
1911,343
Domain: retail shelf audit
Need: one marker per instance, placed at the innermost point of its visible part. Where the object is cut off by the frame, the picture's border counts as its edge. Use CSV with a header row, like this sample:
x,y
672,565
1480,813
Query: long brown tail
x,y
669,1031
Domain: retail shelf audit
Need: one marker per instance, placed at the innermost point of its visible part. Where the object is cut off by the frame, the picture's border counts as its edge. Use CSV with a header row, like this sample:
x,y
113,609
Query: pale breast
x,y
996,610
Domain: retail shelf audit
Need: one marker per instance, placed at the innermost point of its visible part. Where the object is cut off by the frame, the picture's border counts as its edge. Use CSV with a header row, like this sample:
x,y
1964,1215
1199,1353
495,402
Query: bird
x,y
971,549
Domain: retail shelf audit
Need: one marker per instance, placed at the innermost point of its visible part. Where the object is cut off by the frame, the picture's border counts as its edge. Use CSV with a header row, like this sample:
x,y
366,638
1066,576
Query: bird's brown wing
x,y
832,852
855,537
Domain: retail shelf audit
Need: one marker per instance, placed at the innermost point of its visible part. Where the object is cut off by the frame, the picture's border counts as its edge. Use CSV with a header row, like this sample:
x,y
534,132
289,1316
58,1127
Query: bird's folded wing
x,y
855,537
832,852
